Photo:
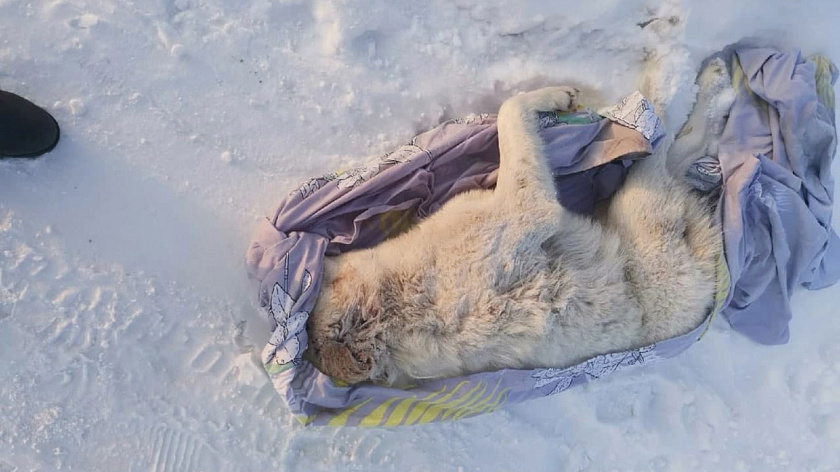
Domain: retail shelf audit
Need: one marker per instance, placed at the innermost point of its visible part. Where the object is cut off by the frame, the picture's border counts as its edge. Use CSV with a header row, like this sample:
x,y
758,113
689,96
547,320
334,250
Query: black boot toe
x,y
26,130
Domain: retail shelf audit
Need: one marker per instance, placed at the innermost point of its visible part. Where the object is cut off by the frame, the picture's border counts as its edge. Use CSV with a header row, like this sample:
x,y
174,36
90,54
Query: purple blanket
x,y
776,153
589,155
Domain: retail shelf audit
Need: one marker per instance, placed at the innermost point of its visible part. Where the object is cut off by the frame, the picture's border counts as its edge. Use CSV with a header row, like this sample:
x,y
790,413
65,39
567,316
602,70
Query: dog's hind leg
x,y
700,134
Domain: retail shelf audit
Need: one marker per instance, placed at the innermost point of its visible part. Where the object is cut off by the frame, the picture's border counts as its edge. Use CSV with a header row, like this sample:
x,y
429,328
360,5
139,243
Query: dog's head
x,y
345,326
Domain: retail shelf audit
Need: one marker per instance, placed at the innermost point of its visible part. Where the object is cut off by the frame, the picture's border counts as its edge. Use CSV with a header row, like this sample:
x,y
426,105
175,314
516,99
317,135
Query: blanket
x,y
589,154
775,155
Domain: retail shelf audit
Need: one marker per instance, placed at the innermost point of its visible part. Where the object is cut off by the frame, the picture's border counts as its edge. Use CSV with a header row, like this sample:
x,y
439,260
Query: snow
x,y
129,333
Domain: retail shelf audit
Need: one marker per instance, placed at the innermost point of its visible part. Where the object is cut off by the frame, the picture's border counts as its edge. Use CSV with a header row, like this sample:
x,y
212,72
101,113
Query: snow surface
x,y
128,331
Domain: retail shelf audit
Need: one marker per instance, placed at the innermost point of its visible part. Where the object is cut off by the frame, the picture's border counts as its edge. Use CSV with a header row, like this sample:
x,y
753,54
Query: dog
x,y
507,278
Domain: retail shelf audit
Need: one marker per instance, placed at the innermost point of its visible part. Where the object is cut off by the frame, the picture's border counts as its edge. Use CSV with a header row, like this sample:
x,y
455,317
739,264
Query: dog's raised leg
x,y
524,173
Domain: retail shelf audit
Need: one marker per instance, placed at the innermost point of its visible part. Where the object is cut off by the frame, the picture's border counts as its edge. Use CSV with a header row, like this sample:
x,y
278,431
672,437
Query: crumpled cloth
x,y
775,156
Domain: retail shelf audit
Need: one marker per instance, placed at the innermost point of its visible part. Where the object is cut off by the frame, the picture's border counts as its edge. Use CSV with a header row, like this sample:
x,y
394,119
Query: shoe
x,y
26,130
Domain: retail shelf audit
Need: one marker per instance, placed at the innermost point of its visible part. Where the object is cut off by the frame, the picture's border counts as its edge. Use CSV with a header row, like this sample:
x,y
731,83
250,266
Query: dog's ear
x,y
350,365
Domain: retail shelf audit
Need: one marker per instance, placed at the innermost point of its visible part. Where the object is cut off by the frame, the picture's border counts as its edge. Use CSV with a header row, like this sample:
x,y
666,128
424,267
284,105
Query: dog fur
x,y
507,278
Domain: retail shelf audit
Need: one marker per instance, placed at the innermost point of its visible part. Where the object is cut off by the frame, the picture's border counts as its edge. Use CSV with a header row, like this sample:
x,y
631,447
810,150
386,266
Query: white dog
x,y
507,278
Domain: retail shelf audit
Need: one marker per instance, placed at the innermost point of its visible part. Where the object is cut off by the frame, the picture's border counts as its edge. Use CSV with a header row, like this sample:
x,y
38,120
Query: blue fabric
x,y
775,155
